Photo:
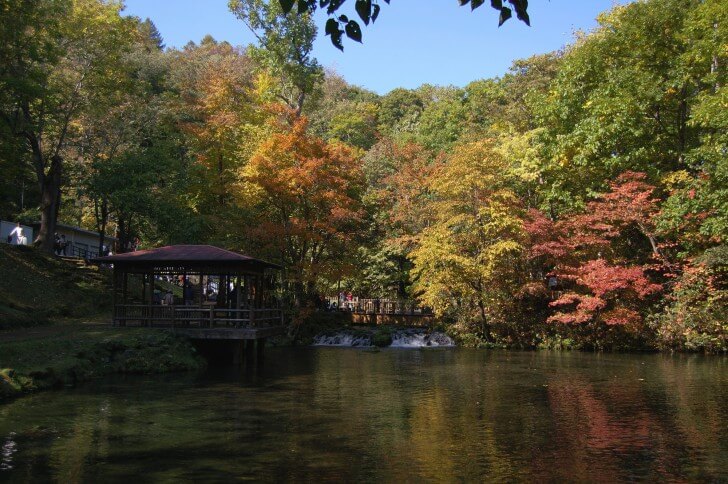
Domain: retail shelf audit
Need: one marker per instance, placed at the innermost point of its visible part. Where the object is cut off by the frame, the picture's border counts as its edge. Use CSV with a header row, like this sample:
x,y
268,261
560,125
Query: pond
x,y
352,414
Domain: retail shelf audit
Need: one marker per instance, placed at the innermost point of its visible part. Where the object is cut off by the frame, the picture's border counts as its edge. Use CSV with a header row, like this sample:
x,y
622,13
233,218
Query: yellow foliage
x,y
467,256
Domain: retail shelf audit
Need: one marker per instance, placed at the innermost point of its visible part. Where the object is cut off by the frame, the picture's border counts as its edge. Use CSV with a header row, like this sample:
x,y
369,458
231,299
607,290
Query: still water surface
x,y
396,415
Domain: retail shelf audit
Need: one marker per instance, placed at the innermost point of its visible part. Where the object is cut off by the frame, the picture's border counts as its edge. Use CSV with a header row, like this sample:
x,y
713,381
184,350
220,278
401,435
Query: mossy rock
x,y
382,337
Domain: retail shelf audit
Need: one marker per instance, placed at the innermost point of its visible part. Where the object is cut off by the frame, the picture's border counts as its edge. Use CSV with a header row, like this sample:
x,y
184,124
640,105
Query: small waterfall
x,y
342,339
401,338
419,339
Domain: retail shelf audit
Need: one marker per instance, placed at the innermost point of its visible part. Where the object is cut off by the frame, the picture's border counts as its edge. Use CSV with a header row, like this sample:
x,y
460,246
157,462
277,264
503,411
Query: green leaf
x,y
334,6
523,16
496,4
364,9
505,14
463,2
332,26
343,18
375,12
353,31
336,40
304,6
521,13
476,3
286,5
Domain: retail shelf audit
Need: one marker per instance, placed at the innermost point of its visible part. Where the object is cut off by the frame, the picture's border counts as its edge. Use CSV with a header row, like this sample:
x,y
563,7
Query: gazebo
x,y
194,286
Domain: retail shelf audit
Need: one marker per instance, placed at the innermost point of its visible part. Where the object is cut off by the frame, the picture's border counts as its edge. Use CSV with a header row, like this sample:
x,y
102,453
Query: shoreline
x,y
84,353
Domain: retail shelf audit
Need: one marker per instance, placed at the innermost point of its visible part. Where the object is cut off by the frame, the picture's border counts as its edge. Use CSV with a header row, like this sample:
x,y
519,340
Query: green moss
x,y
83,354
382,337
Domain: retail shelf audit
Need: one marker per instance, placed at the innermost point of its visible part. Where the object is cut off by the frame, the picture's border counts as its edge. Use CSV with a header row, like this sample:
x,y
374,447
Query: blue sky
x,y
409,45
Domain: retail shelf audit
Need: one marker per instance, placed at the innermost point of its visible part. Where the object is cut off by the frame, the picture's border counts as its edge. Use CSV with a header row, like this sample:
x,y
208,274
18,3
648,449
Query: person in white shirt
x,y
17,235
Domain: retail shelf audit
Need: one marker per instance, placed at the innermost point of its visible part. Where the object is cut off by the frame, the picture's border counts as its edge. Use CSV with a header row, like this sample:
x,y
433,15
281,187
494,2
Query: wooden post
x,y
114,278
124,285
238,352
238,295
260,350
144,287
251,304
150,322
249,349
238,292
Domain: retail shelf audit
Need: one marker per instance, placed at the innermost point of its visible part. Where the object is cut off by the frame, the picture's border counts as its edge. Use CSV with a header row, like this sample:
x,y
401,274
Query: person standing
x,y
17,236
64,245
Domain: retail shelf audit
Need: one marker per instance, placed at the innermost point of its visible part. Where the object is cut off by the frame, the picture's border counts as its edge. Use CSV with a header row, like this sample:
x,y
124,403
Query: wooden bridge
x,y
386,311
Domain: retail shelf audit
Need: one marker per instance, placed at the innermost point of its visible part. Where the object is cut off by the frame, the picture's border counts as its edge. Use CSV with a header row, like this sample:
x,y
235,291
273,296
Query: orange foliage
x,y
309,199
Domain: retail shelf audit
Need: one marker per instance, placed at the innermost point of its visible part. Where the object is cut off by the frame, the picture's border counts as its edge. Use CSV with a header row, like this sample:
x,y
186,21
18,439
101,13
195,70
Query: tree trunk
x,y
50,187
102,218
484,321
124,231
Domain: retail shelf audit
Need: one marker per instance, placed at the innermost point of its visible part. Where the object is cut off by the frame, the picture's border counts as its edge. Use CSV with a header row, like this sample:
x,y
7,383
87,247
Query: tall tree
x,y
221,115
57,56
308,195
467,259
604,256
285,48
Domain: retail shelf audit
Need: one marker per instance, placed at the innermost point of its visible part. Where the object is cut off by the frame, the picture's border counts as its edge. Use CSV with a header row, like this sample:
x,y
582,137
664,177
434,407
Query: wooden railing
x,y
186,316
385,306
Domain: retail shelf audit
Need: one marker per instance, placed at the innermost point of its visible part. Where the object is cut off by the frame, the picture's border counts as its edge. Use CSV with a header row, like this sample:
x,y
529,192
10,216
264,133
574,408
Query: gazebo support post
x,y
238,296
260,349
151,299
114,283
201,290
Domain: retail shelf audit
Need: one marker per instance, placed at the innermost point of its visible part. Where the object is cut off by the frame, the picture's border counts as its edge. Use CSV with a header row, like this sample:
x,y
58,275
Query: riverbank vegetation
x,y
577,201
79,354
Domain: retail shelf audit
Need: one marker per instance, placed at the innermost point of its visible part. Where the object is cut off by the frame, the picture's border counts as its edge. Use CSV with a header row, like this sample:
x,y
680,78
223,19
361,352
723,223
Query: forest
x,y
578,201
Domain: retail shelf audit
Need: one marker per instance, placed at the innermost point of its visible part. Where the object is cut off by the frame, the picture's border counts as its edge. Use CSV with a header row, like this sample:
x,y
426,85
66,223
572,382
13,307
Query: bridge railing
x,y
385,306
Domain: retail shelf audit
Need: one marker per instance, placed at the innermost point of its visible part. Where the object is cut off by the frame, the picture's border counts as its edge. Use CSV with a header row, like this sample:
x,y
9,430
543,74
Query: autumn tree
x,y
466,260
397,198
603,256
307,194
219,111
132,118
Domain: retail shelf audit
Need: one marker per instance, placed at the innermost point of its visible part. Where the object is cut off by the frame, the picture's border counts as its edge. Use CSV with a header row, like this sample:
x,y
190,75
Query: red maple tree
x,y
588,253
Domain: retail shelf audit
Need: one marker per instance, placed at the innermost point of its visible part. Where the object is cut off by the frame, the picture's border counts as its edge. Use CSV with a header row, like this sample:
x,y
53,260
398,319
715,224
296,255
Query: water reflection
x,y
396,415
8,449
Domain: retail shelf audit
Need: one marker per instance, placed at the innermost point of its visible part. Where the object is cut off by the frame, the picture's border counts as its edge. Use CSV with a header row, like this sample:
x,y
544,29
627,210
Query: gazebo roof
x,y
184,255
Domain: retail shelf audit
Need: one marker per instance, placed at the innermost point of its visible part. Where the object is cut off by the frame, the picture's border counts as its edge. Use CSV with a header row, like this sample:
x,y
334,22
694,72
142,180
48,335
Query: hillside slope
x,y
37,288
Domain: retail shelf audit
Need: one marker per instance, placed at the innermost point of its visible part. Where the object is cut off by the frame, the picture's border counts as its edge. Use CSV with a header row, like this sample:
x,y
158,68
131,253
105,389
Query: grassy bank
x,y
84,353
37,288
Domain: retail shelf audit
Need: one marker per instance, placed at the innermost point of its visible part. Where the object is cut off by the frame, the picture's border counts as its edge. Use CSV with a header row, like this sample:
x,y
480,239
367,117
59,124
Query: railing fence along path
x,y
384,306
